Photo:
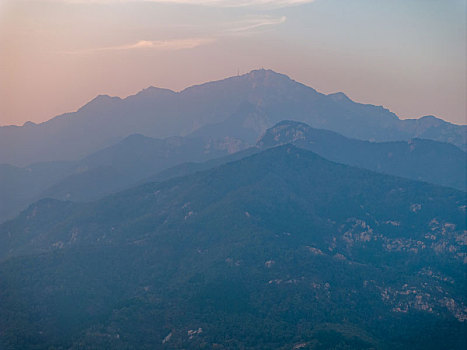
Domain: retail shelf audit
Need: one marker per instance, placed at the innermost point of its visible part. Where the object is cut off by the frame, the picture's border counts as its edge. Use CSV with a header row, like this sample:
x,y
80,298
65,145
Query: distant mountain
x,y
188,168
241,107
280,250
135,158
436,162
419,159
106,171
139,159
19,187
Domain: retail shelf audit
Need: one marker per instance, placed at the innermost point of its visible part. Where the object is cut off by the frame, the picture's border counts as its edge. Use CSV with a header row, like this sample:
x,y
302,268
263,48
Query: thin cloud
x,y
213,3
255,23
245,26
162,45
236,3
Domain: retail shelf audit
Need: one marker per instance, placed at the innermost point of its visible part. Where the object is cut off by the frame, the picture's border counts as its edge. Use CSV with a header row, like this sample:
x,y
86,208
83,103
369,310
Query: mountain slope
x,y
418,159
21,186
137,158
238,106
276,250
106,171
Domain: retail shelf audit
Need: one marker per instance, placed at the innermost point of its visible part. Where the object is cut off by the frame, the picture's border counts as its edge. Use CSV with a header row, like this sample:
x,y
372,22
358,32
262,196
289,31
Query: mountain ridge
x,y
419,159
161,113
339,95
138,158
103,172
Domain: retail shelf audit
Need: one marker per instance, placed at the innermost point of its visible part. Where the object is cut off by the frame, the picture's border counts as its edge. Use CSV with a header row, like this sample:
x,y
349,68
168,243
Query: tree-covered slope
x,y
419,159
281,249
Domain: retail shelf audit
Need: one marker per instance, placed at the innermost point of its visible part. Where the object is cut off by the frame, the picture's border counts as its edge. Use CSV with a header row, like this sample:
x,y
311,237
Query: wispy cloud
x,y
213,3
162,45
244,27
236,3
255,23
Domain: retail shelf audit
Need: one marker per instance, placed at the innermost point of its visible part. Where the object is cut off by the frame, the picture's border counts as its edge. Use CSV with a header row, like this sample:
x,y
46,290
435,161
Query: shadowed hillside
x,y
276,250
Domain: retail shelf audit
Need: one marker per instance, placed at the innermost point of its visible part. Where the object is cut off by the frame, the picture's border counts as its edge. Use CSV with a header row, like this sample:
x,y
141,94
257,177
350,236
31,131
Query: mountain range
x,y
240,108
138,159
248,213
106,171
419,159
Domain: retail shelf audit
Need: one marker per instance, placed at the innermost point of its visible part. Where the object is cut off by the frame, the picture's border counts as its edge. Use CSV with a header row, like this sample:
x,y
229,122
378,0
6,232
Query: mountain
x,y
240,107
20,186
426,160
282,249
131,160
139,159
106,171
419,159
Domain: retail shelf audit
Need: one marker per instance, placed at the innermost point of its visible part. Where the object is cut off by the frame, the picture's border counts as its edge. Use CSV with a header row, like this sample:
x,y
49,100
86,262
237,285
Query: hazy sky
x,y
407,55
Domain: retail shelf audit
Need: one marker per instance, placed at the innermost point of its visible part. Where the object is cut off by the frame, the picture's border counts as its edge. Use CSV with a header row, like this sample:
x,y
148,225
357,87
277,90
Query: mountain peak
x,y
431,120
152,91
29,123
261,72
284,132
265,75
339,96
100,101
103,98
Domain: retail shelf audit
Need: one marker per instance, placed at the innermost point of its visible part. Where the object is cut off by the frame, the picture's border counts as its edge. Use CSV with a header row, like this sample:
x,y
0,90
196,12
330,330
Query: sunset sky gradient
x,y
407,55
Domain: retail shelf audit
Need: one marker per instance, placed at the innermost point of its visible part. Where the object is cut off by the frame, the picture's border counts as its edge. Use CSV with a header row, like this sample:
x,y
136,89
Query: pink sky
x,y
57,54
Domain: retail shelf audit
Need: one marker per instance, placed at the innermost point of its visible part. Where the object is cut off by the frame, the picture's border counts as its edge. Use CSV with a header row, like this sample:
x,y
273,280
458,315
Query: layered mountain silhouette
x,y
106,171
419,159
138,159
240,107
281,249
248,213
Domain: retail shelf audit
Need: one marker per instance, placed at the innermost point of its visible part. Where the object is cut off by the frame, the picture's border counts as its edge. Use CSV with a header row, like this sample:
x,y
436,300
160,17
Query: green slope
x,y
281,249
